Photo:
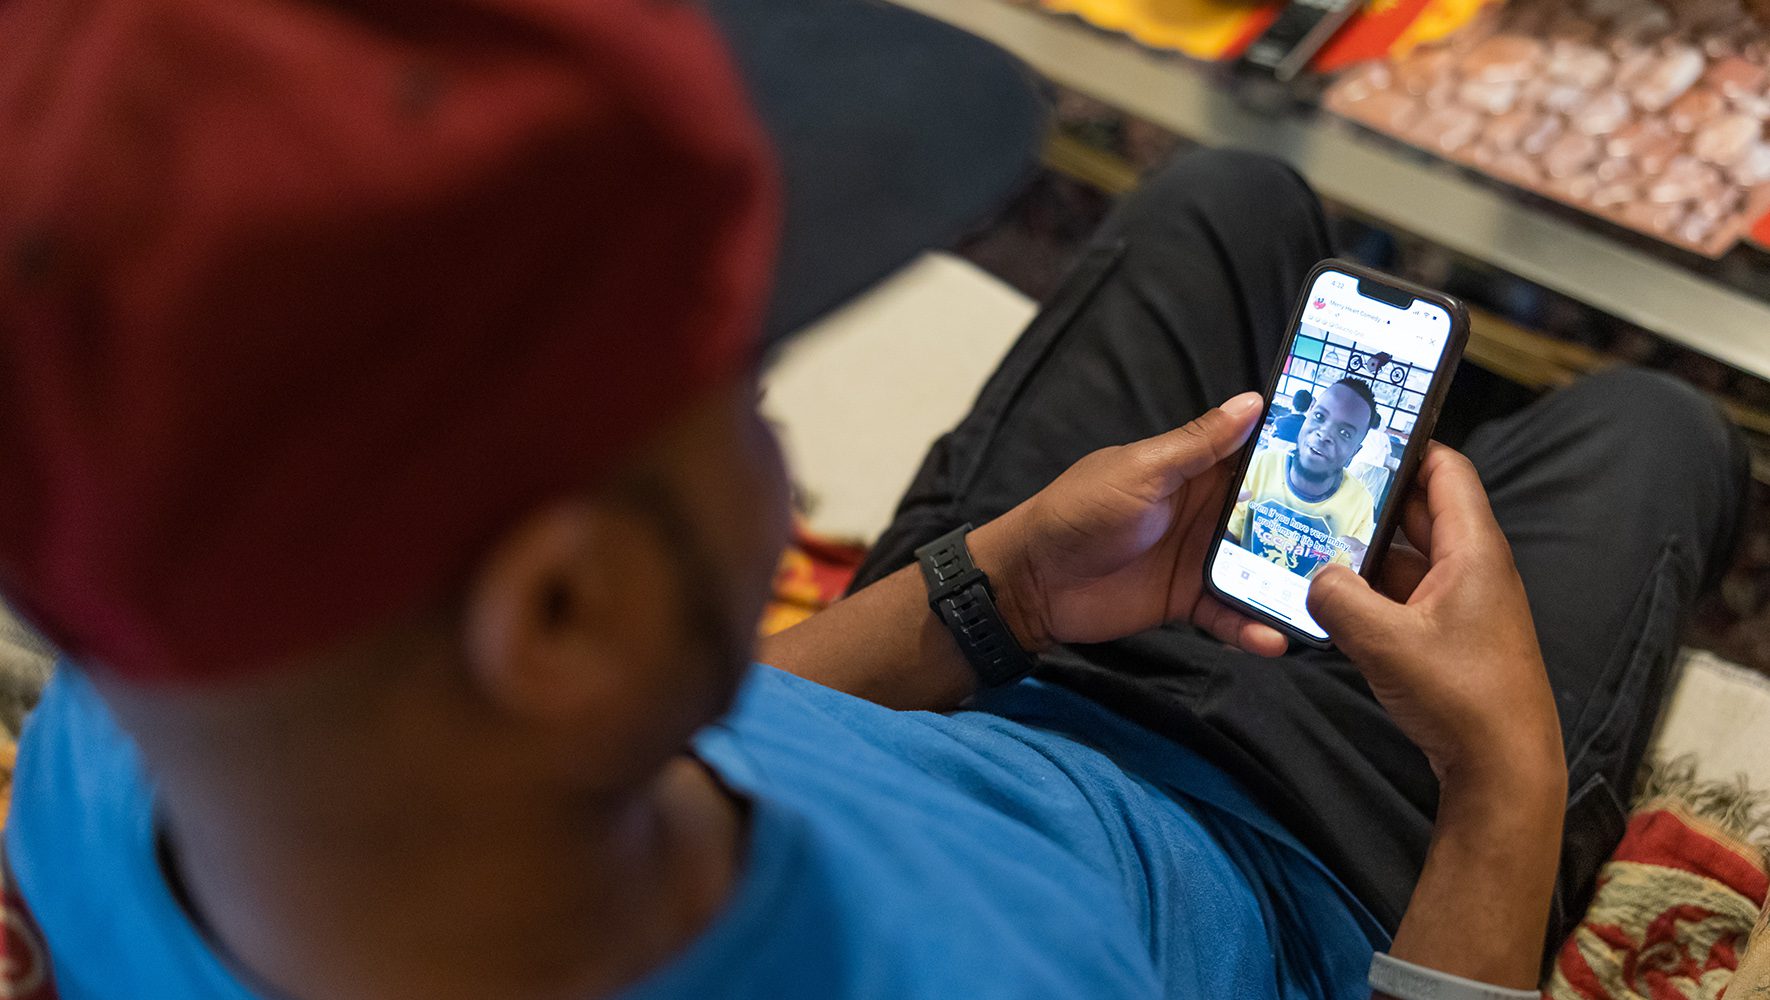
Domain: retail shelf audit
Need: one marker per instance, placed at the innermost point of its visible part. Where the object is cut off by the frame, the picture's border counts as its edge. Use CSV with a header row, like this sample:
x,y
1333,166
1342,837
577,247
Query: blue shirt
x,y
1034,845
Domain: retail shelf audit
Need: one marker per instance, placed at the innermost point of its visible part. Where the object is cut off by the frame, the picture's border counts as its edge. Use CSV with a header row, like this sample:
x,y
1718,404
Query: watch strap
x,y
1404,980
960,595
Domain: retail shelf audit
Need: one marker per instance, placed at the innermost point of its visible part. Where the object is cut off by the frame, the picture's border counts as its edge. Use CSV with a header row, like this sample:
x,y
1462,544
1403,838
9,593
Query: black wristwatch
x,y
960,595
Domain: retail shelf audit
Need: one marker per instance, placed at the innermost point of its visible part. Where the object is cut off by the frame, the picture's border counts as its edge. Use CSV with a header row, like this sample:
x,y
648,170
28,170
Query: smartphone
x,y
1364,368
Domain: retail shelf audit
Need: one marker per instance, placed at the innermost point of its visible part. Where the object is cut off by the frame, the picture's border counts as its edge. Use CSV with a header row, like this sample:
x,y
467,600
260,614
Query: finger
x,y
1403,569
1186,452
1416,521
1357,618
1262,640
1456,503
1238,630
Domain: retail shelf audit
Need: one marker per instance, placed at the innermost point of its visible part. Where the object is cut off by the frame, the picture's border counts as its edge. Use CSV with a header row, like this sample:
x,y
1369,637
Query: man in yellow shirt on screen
x,y
1300,509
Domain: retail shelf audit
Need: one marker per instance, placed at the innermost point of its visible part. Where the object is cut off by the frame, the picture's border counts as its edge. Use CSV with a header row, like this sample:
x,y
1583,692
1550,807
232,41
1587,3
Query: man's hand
x,y
1450,650
1117,544
1114,546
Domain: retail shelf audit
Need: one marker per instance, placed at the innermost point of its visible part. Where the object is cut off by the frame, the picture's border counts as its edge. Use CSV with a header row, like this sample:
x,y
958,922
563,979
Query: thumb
x,y
1359,620
1185,452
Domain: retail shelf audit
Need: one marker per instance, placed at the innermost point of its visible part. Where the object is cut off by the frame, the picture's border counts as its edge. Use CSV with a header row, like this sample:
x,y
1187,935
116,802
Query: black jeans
x,y
1621,495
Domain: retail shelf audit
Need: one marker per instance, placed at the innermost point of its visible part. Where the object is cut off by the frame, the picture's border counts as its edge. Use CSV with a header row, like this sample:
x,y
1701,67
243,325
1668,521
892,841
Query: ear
x,y
563,605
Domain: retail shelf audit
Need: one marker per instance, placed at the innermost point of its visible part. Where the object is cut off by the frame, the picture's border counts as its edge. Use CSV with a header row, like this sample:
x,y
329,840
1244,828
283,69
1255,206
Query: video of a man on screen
x,y
1324,461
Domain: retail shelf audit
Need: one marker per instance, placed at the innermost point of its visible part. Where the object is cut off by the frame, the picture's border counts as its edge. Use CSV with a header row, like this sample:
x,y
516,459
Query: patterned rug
x,y
1675,907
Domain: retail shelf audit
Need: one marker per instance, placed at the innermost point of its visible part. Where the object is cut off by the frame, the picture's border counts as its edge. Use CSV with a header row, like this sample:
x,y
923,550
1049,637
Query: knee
x,y
1665,419
1687,453
1206,177
1239,190
1643,399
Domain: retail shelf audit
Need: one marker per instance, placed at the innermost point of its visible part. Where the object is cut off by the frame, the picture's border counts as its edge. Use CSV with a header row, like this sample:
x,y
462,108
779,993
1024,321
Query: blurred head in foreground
x,y
379,387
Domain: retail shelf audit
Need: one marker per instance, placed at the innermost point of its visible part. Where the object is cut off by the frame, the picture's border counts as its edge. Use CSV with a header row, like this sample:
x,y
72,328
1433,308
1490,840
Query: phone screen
x,y
1355,378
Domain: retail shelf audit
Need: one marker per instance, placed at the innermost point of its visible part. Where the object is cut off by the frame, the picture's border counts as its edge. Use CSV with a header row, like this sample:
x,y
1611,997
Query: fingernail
x,y
1240,405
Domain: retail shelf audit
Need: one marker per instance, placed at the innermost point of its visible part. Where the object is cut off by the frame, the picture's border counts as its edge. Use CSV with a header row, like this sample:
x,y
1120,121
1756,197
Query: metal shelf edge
x,y
1434,203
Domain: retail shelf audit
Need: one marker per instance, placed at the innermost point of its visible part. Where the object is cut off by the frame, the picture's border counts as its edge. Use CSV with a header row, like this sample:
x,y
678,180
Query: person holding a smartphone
x,y
1462,753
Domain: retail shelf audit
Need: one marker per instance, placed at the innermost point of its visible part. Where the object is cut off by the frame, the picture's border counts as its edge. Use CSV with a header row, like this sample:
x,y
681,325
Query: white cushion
x,y
1720,712
858,398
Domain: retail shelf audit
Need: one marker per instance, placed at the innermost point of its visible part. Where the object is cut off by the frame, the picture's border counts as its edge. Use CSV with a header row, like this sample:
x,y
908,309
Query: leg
x,y
1622,496
1177,304
1180,303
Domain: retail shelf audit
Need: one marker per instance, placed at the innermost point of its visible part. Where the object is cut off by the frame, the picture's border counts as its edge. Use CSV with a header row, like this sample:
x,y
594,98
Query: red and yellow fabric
x,y
1389,28
813,572
1674,908
1202,29
1221,29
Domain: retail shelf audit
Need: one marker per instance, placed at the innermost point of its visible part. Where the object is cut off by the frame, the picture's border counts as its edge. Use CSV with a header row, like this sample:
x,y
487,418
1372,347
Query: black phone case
x,y
1410,457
